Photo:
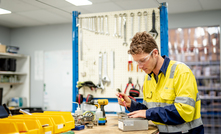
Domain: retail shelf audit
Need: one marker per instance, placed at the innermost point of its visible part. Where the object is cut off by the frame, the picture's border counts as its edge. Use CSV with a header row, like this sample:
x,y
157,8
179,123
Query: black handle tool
x,y
7,110
153,31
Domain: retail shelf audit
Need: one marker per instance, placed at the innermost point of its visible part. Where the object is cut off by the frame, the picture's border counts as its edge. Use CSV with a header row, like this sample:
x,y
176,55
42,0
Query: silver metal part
x,y
24,112
98,23
95,25
125,28
112,69
85,23
77,20
88,28
115,28
105,77
106,20
100,83
132,25
119,26
139,20
132,124
145,19
45,125
89,126
102,24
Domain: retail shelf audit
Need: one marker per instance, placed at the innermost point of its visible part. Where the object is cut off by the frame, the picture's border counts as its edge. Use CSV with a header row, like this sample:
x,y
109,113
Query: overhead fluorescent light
x,y
3,11
80,2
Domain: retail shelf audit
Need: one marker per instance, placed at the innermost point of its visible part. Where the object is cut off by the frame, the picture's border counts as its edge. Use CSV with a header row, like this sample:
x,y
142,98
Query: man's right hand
x,y
126,99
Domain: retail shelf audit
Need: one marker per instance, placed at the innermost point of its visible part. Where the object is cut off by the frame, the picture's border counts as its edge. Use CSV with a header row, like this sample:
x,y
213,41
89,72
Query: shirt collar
x,y
164,67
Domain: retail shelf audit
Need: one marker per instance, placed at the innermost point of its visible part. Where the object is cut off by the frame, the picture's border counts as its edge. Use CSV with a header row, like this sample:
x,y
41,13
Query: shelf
x,y
211,125
11,73
11,55
211,110
11,83
203,63
207,77
20,79
210,98
208,88
210,115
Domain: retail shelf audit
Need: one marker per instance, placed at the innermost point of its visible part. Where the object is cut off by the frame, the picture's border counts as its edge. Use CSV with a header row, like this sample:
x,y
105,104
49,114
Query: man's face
x,y
145,61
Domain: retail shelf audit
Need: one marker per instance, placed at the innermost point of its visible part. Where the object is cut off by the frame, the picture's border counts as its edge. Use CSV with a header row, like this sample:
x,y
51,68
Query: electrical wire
x,y
7,92
156,1
76,103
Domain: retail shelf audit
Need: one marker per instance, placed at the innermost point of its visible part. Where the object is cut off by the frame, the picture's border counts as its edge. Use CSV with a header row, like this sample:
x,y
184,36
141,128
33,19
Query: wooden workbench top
x,y
111,127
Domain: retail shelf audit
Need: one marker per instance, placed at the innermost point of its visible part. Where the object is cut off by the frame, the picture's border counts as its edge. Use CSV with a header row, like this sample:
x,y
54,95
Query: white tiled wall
x,y
94,43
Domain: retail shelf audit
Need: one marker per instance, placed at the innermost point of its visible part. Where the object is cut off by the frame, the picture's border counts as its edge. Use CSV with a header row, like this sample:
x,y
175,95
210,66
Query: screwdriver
x,y
123,101
121,97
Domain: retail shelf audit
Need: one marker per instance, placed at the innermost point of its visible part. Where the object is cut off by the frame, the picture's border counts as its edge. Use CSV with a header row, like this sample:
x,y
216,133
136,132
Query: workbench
x,y
111,127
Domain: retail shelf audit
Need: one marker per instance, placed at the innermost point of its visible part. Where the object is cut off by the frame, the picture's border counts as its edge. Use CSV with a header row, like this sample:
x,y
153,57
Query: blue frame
x,y
164,29
163,39
74,58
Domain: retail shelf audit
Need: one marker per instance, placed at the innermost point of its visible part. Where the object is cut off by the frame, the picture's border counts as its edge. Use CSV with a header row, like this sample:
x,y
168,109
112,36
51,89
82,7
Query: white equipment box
x,y
132,124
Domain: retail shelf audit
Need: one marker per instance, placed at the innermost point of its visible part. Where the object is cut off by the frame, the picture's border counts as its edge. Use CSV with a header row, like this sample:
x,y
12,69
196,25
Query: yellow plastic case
x,y
21,126
68,118
62,121
48,122
45,122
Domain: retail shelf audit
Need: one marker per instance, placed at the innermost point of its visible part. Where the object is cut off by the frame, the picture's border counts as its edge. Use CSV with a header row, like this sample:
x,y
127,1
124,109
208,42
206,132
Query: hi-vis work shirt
x,y
172,100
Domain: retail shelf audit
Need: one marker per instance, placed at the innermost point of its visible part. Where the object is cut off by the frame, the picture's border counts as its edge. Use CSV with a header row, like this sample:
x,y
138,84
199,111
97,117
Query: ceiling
x,y
27,13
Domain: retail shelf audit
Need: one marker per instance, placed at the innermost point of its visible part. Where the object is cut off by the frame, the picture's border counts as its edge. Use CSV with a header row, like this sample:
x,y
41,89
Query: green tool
x,y
69,132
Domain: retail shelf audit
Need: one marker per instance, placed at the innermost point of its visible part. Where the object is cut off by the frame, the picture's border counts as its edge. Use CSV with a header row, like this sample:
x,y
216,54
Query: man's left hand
x,y
136,114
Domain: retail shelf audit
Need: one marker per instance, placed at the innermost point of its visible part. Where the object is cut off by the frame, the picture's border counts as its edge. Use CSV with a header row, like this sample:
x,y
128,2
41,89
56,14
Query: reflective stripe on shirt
x,y
173,68
184,100
154,104
180,128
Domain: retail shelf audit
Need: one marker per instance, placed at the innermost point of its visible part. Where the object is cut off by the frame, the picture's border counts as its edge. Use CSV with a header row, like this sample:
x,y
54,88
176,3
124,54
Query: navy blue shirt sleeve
x,y
167,115
136,106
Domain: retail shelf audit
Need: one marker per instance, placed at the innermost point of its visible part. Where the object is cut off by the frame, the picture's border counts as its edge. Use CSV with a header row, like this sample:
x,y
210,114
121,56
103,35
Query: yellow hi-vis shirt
x,y
178,87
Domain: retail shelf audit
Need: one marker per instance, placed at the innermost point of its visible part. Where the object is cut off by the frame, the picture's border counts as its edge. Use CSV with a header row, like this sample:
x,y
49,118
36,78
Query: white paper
x,y
120,125
49,132
60,126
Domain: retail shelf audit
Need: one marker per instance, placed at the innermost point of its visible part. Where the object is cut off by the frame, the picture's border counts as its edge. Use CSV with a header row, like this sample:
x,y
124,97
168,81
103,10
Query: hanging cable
x,y
52,6
7,91
157,2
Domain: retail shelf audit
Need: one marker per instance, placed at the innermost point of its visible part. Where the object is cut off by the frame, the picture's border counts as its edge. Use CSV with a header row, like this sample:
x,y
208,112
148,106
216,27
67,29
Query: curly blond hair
x,y
142,42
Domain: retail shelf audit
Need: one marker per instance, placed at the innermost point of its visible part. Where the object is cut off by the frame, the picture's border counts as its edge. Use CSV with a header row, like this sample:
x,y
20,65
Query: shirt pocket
x,y
148,95
168,94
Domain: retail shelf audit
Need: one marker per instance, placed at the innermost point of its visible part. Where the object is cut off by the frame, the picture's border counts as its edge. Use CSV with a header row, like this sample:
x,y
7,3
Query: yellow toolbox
x,y
62,121
48,122
19,126
45,123
7,127
69,119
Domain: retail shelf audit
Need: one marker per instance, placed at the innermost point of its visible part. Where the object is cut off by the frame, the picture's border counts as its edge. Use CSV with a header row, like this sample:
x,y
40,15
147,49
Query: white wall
x,y
5,35
47,38
58,37
194,19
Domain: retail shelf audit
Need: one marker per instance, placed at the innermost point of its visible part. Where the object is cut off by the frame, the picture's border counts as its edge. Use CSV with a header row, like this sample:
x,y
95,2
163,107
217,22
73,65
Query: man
x,y
171,98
